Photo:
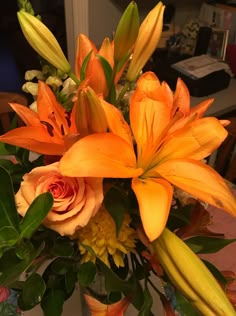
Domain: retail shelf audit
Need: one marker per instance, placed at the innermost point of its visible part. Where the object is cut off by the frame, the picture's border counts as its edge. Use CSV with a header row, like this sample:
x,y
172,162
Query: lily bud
x,y
189,274
43,41
126,32
89,114
147,40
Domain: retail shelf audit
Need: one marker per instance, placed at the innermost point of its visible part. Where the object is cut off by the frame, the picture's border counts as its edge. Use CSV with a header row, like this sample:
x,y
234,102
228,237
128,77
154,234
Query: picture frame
x,y
218,43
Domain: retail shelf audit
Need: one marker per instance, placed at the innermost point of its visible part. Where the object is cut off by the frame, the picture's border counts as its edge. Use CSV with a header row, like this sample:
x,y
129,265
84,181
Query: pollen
x,y
100,236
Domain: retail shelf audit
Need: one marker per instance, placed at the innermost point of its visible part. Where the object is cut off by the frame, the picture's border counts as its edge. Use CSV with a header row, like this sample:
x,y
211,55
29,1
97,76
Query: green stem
x,y
123,91
74,78
112,84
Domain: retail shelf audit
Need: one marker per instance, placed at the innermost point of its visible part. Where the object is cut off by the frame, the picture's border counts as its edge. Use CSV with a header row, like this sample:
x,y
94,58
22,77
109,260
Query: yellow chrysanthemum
x,y
100,235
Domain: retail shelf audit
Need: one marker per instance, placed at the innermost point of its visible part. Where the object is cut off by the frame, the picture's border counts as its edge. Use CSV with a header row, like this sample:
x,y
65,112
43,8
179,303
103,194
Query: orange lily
x,y
94,72
171,142
50,131
99,309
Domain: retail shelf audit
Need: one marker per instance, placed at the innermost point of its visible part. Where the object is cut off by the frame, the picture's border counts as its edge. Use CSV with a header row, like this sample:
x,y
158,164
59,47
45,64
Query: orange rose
x,y
76,200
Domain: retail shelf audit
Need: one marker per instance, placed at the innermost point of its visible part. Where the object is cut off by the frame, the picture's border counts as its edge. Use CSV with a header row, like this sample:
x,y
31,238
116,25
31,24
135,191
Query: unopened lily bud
x,y
126,32
43,41
147,40
89,116
190,276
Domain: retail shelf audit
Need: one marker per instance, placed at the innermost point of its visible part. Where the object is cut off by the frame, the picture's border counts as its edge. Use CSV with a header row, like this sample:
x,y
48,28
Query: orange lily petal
x,y
49,110
201,108
96,76
107,50
84,47
47,132
28,116
181,97
148,85
150,114
35,139
148,119
89,114
116,122
195,113
154,198
197,140
199,180
100,155
94,72
99,309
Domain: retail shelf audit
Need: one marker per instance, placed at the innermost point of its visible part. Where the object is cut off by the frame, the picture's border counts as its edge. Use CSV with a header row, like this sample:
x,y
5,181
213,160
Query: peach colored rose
x,y
76,200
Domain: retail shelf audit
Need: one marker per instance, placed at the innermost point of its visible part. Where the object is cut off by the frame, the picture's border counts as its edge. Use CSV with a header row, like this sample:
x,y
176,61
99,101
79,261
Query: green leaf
x,y
217,274
23,249
116,203
62,265
84,66
32,293
86,274
8,236
184,306
63,248
107,69
147,304
12,269
70,281
8,165
203,244
114,297
122,62
8,211
6,149
35,214
112,282
52,303
138,296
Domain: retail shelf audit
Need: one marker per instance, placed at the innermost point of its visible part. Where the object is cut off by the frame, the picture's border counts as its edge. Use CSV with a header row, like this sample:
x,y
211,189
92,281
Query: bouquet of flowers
x,y
107,182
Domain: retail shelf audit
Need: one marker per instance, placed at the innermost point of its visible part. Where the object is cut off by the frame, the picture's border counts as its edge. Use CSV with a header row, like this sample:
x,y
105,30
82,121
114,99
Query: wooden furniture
x,y
6,111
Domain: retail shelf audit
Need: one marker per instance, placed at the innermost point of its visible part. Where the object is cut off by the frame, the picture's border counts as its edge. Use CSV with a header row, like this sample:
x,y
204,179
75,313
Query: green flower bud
x,y
148,38
126,32
189,274
43,41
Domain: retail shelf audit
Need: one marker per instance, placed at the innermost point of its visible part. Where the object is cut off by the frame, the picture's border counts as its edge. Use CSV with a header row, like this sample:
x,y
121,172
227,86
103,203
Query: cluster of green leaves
x,y
17,162
25,245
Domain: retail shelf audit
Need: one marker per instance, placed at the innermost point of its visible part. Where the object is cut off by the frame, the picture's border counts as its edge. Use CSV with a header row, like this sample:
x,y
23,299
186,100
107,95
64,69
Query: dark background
x,y
16,55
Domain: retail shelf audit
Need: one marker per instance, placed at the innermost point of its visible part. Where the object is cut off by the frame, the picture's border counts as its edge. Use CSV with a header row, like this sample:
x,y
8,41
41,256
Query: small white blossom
x,y
33,106
69,87
31,74
30,87
54,81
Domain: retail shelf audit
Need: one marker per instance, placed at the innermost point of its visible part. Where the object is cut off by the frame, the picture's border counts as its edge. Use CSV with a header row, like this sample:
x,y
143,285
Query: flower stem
x,y
123,91
111,97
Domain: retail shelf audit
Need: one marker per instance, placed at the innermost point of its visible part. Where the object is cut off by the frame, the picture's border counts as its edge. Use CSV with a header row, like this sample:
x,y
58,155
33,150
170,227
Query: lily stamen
x,y
49,127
